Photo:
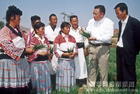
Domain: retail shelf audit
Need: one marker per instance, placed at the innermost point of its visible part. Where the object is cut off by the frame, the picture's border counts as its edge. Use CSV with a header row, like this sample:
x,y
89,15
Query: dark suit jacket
x,y
131,36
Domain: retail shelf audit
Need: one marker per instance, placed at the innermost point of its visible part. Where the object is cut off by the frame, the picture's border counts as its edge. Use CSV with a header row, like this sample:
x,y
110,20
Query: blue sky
x,y
82,8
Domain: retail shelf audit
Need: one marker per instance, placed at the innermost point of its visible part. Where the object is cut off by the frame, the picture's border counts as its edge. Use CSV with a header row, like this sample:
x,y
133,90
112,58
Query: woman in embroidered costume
x,y
40,73
65,49
14,68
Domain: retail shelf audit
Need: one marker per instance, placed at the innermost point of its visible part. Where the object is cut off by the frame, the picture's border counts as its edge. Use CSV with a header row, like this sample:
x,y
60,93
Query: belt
x,y
64,57
80,45
100,44
41,58
1,50
67,51
51,42
5,56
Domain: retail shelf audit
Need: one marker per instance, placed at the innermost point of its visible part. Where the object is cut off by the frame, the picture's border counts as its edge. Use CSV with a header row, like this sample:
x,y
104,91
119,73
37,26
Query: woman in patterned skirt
x,y
65,49
14,68
40,74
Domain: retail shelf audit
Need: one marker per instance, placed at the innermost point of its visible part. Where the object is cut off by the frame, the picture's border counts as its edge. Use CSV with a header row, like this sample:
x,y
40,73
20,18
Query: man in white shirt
x,y
51,31
101,31
80,62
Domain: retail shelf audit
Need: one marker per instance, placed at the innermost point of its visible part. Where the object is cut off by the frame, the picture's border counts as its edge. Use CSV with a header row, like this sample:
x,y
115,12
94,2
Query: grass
x,y
112,78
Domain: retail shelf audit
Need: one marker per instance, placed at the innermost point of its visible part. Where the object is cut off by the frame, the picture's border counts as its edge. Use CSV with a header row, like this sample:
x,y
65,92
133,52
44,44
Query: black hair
x,y
12,12
51,16
34,18
38,25
101,8
73,16
64,24
122,6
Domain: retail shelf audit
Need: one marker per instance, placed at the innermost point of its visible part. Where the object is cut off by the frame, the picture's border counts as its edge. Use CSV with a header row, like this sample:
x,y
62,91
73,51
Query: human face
x,y
74,22
66,30
40,31
97,15
120,14
15,20
53,20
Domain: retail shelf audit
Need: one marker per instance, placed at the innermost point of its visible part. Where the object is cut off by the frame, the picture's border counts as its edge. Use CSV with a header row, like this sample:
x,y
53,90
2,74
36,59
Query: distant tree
x,y
1,24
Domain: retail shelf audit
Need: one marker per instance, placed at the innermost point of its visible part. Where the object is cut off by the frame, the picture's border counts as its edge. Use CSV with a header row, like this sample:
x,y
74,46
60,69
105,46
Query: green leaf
x,y
70,50
51,49
37,47
85,34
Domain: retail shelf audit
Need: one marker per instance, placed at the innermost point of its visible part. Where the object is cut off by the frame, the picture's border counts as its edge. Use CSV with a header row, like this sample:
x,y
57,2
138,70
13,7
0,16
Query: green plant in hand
x,y
51,50
70,50
37,47
83,33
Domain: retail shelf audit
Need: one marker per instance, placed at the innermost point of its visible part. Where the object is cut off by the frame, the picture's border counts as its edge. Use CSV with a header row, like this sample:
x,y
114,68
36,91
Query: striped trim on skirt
x,y
40,77
65,75
14,74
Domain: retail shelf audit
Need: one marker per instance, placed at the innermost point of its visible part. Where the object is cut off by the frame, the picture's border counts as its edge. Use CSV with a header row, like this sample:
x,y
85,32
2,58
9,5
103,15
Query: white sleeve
x,y
57,50
88,28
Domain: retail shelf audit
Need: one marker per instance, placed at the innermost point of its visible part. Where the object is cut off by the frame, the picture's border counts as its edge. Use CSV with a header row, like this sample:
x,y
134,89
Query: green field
x,y
112,78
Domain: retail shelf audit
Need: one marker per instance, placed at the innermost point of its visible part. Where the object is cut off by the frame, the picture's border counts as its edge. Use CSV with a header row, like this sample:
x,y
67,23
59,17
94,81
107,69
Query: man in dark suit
x,y
128,47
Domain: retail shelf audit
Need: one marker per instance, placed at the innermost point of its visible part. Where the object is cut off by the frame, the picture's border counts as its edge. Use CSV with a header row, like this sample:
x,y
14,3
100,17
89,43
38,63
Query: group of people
x,y
54,57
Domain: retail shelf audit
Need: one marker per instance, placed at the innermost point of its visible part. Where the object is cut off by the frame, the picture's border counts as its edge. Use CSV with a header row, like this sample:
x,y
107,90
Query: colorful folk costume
x,y
14,72
65,75
40,73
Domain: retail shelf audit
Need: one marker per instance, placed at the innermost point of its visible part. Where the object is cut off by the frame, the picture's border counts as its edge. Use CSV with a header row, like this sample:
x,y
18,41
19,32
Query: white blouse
x,y
102,30
64,46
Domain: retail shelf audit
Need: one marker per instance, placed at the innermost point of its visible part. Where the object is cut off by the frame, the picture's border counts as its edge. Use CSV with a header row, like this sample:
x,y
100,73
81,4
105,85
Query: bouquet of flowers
x,y
83,33
38,47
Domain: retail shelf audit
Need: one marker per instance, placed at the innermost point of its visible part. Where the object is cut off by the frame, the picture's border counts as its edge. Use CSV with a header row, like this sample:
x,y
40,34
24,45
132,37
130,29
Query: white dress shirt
x,y
50,34
120,42
101,30
76,34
